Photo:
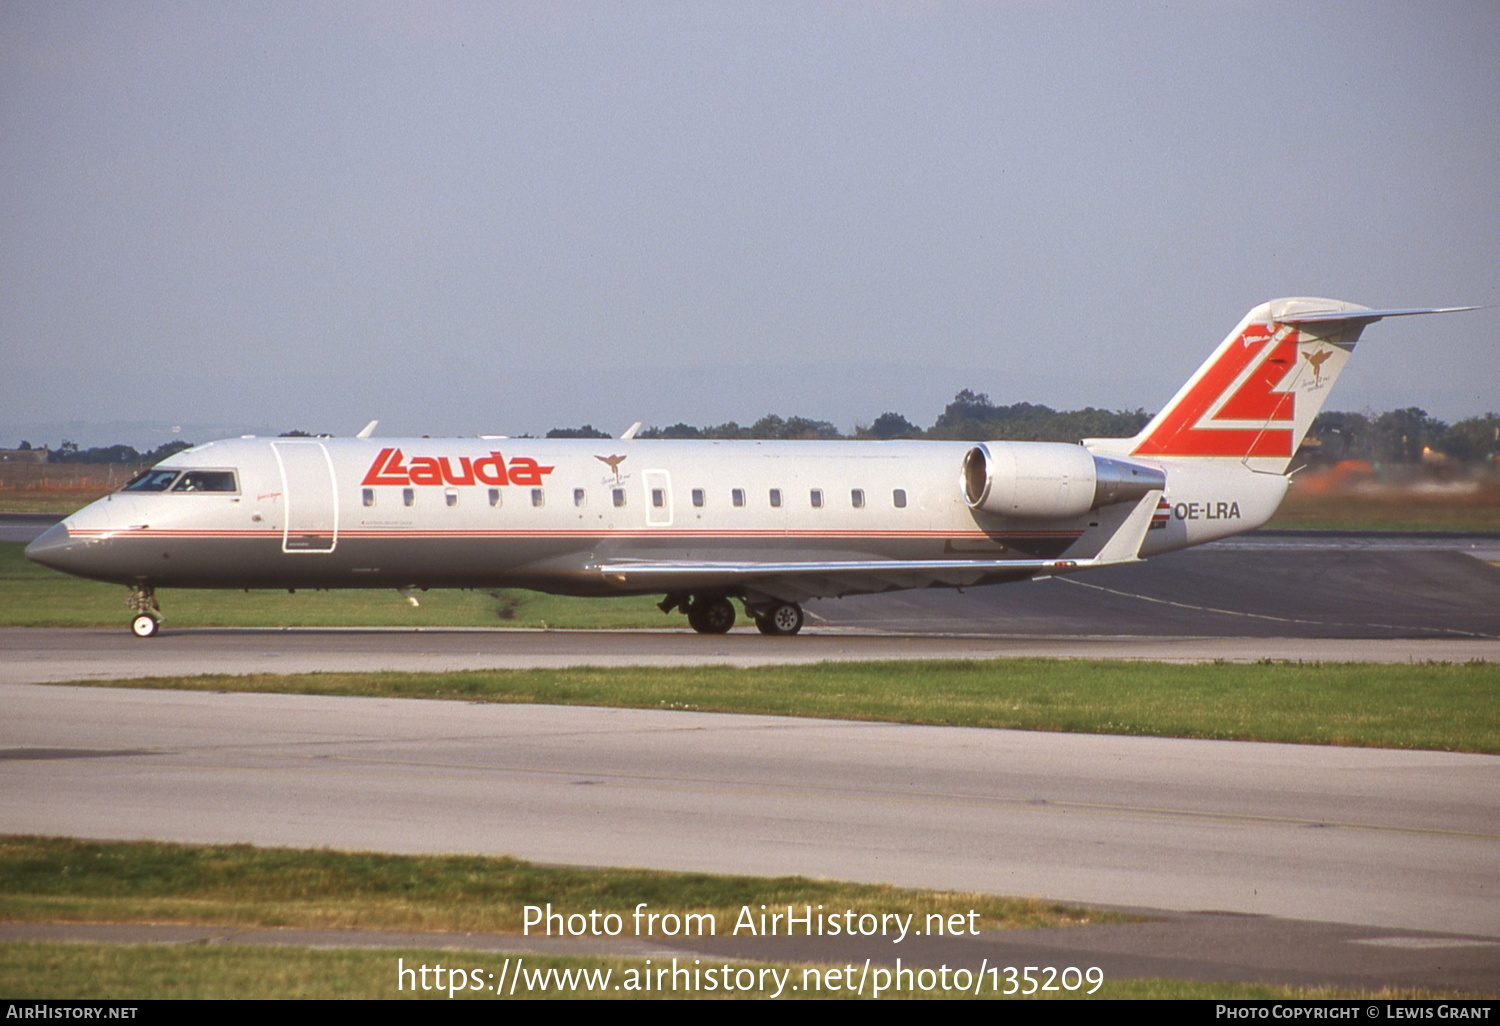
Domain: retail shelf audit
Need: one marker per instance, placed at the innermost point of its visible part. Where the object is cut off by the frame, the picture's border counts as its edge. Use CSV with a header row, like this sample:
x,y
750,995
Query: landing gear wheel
x,y
147,614
783,620
711,615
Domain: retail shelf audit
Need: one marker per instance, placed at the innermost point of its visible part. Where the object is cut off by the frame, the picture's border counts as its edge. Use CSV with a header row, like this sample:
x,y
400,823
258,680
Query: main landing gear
x,y
711,614
783,619
147,619
714,614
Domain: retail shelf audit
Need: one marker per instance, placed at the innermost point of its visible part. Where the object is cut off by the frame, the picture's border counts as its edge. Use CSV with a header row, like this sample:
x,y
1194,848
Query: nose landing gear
x,y
147,619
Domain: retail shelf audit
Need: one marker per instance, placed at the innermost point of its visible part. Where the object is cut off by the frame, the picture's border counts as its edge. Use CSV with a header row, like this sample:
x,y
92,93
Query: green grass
x,y
128,972
44,502
61,880
1438,706
238,886
1400,511
35,596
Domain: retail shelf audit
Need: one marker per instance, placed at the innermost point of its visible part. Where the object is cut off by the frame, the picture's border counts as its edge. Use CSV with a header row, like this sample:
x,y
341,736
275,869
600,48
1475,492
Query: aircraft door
x,y
658,498
311,497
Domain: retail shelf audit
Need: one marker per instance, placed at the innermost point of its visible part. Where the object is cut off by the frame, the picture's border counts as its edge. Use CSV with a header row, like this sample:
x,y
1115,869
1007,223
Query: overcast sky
x,y
503,218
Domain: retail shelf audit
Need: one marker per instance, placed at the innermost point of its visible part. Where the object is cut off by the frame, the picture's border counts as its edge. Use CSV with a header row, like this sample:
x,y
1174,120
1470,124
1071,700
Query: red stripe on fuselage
x,y
366,533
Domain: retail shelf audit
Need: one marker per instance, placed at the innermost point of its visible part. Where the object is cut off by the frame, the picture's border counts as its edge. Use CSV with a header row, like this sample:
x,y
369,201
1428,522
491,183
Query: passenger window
x,y
368,496
738,495
659,497
537,498
775,498
857,498
579,498
899,498
817,498
619,497
697,496
450,495
408,497
494,496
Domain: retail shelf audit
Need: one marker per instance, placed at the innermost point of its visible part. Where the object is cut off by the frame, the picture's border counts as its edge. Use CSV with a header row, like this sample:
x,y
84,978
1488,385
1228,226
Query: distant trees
x,y
1402,436
1474,439
1397,436
893,425
1407,435
69,452
769,426
972,417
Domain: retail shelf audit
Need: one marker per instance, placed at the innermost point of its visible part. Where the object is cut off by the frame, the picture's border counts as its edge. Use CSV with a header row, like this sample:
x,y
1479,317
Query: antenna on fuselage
x,y
367,430
630,432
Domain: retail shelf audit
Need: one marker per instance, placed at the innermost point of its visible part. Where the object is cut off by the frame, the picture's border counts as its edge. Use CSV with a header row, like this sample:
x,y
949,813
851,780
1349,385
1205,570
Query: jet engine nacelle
x,y
1050,480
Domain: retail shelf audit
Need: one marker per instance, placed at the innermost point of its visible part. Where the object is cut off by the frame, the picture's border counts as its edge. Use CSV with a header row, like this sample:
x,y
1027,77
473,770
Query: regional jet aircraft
x,y
770,524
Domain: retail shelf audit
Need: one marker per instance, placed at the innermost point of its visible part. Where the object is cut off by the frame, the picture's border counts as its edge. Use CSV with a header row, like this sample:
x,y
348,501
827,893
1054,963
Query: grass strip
x,y
38,501
63,880
126,972
1398,511
1436,706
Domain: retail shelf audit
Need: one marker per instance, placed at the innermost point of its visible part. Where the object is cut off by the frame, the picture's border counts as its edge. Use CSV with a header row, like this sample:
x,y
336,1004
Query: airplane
x,y
768,523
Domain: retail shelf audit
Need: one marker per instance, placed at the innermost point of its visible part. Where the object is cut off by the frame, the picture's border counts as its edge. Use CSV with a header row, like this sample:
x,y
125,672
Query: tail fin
x,y
1256,396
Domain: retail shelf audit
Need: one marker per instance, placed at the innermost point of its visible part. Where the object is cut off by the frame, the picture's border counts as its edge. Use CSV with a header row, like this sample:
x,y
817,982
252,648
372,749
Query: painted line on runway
x,y
641,781
1444,631
764,788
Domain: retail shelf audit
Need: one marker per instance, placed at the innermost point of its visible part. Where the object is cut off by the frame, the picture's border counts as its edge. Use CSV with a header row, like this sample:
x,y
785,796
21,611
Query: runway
x,y
1386,839
1382,840
30,655
1306,585
1290,595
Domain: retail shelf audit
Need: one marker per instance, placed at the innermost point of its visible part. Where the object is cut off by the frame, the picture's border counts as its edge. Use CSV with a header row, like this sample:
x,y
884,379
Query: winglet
x,y
630,432
367,430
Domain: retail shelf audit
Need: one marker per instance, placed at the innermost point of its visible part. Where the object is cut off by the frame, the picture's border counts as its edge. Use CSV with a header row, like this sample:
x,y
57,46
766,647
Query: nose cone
x,y
57,549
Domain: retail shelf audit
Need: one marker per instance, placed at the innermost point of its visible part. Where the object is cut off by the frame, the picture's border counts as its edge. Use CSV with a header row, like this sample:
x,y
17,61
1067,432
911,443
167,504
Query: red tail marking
x,y
1188,431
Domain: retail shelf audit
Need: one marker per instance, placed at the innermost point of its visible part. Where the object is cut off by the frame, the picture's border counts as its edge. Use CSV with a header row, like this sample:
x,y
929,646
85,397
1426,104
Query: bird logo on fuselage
x,y
613,462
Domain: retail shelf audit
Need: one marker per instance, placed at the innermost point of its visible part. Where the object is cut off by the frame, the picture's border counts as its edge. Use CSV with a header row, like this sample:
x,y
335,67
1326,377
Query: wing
x,y
799,581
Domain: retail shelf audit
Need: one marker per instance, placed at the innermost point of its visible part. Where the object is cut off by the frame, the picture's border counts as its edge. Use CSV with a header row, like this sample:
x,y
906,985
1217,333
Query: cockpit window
x,y
206,481
152,481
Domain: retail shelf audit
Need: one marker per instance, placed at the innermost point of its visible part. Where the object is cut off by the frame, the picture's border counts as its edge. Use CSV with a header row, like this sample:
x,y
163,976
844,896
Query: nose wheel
x,y
147,619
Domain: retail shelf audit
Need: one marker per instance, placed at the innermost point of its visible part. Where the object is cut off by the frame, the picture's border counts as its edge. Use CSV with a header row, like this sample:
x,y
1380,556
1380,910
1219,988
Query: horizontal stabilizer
x,y
1364,317
1124,546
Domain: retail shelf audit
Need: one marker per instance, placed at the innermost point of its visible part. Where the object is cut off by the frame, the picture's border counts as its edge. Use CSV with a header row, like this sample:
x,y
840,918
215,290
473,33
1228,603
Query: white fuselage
x,y
554,514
